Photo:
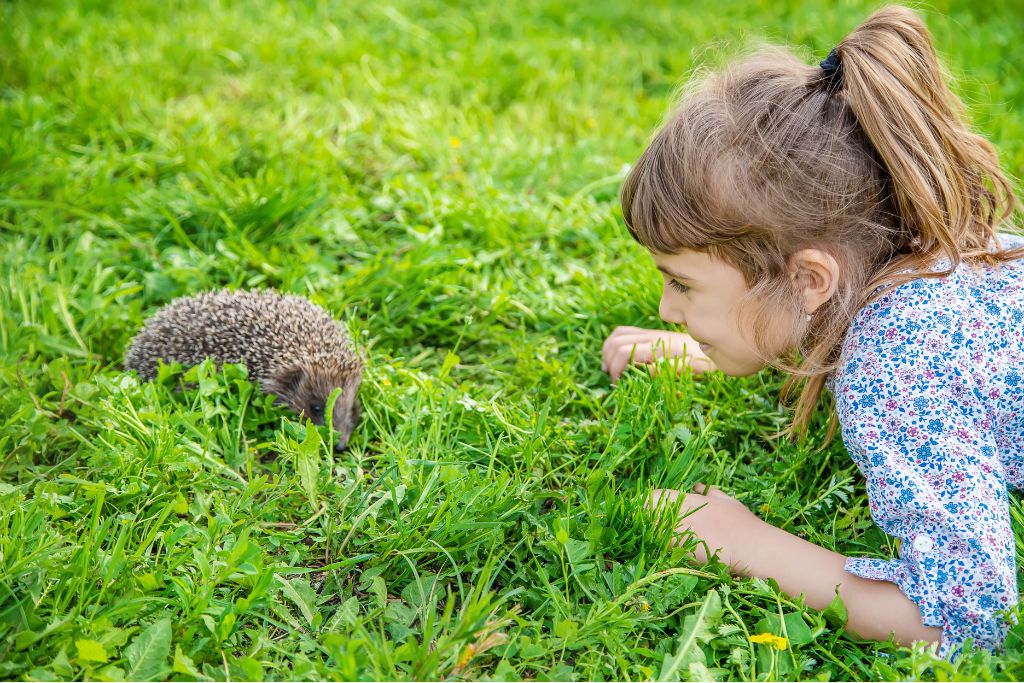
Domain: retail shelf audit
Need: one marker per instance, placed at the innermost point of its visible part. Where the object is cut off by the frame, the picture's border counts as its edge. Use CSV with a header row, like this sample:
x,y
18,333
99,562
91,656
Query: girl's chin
x,y
734,367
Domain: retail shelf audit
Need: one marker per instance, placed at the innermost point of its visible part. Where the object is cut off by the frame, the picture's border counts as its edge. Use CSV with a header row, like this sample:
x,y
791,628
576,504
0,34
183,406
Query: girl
x,y
840,222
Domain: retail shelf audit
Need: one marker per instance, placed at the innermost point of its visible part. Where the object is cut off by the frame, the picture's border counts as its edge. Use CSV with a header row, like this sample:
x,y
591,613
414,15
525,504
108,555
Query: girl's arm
x,y
752,547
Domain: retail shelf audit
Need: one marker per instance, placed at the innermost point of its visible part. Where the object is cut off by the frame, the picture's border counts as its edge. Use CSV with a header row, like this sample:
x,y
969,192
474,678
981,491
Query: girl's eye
x,y
678,286
317,409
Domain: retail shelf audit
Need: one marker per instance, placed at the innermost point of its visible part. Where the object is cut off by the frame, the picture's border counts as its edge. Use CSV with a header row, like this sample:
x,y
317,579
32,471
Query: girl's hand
x,y
646,347
720,521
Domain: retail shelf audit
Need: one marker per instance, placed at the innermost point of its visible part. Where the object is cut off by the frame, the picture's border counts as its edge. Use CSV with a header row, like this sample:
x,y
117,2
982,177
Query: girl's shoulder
x,y
938,319
972,288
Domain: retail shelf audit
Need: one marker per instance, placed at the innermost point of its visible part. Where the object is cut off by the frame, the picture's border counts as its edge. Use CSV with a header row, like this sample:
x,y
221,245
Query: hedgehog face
x,y
306,388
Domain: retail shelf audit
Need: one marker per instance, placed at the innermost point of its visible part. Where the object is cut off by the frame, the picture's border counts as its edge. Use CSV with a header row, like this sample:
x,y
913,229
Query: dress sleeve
x,y
914,418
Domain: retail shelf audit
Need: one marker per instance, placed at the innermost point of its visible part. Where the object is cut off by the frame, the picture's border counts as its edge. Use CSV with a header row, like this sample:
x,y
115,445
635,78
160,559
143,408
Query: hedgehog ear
x,y
291,378
294,378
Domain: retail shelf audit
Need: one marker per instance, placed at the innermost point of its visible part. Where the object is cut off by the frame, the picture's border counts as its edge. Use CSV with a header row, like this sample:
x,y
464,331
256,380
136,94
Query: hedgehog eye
x,y
317,409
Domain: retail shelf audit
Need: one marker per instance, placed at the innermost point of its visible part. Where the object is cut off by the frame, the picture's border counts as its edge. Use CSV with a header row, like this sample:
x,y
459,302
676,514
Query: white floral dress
x,y
930,397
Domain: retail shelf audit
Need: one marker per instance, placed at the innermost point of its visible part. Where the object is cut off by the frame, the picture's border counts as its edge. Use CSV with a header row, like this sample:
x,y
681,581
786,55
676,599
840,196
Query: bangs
x,y
670,198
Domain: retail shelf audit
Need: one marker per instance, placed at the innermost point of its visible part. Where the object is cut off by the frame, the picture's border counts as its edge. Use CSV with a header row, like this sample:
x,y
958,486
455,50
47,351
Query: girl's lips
x,y
704,347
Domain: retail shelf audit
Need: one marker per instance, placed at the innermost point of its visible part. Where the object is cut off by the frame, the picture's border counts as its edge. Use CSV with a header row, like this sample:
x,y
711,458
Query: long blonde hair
x,y
770,156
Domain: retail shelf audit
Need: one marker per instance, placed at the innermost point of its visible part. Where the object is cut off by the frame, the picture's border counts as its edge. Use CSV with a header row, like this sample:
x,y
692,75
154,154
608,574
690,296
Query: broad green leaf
x,y
61,665
678,434
207,386
308,464
505,672
180,505
110,673
346,615
699,672
252,669
147,653
379,592
566,629
183,664
562,672
578,552
147,581
24,639
835,614
797,631
697,629
301,593
91,651
670,593
450,361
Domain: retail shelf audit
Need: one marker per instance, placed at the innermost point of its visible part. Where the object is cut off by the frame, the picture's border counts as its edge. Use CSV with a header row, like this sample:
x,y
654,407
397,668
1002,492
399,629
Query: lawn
x,y
445,180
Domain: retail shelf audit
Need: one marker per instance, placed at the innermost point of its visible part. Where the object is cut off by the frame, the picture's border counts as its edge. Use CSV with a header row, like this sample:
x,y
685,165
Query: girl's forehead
x,y
692,264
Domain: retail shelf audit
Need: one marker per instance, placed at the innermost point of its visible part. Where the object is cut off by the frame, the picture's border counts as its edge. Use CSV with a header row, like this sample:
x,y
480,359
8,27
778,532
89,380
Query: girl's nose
x,y
670,313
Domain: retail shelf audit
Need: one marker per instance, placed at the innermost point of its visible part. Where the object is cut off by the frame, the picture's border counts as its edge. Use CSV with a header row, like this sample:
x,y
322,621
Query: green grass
x,y
446,181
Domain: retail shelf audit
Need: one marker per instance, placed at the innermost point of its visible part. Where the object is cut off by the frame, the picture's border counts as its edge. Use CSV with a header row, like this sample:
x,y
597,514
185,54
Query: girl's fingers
x,y
700,364
693,503
642,348
617,333
619,339
711,492
632,335
618,362
626,329
637,342
621,358
661,496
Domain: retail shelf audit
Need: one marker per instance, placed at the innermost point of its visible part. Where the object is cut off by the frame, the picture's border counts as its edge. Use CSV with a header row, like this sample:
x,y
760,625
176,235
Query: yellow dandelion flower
x,y
386,381
467,654
778,642
454,142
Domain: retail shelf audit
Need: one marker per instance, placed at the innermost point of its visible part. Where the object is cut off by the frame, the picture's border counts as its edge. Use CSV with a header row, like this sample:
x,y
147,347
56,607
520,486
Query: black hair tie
x,y
832,71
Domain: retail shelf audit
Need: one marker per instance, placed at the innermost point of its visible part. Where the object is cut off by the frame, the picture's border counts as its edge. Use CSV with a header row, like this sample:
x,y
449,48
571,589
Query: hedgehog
x,y
292,347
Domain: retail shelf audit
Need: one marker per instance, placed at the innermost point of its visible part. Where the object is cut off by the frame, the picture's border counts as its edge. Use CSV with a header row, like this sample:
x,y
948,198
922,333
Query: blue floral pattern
x,y
931,404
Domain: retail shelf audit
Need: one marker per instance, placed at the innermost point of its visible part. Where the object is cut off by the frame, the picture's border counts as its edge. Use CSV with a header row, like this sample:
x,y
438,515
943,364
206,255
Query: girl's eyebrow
x,y
678,276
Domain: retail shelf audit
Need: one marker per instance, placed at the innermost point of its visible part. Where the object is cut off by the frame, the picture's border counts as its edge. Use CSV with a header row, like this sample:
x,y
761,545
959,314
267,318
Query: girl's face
x,y
704,294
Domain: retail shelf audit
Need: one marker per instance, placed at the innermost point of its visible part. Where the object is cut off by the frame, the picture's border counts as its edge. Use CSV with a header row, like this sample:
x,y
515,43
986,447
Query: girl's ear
x,y
815,276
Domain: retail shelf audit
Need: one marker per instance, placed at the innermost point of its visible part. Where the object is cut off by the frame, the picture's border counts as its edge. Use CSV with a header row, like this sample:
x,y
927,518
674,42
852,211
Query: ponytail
x,y
945,180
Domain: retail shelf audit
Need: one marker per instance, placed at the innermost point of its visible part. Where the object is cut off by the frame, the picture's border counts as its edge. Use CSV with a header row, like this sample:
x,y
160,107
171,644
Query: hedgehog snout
x,y
346,416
